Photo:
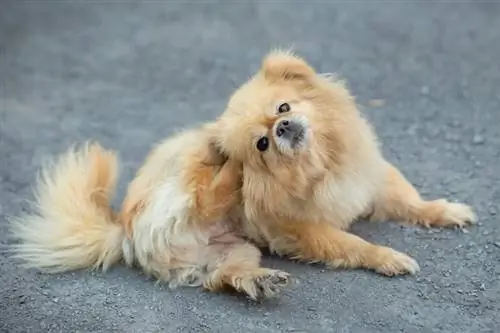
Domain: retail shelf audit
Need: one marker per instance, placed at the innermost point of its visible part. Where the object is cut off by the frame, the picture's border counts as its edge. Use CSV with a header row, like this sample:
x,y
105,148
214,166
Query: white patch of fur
x,y
164,244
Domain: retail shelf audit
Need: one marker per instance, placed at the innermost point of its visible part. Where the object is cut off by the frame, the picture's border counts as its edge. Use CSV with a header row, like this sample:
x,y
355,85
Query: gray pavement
x,y
129,74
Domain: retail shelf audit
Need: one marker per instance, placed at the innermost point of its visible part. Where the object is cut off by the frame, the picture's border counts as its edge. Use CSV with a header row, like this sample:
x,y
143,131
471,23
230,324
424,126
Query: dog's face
x,y
288,125
266,125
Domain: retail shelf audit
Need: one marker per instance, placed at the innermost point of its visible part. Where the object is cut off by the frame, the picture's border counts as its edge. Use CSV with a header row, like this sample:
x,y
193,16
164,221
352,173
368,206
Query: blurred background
x,y
127,74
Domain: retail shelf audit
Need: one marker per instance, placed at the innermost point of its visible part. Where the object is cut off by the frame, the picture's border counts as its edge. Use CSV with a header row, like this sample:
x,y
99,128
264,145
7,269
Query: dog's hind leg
x,y
400,201
235,263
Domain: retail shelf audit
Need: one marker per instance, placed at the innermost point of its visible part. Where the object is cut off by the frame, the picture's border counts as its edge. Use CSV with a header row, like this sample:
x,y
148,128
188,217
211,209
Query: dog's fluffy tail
x,y
73,225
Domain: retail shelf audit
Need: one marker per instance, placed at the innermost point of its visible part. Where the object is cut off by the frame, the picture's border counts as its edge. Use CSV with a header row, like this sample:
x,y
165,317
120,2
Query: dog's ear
x,y
213,154
284,65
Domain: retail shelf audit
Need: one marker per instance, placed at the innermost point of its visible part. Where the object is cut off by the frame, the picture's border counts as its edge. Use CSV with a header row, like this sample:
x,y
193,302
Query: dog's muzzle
x,y
291,130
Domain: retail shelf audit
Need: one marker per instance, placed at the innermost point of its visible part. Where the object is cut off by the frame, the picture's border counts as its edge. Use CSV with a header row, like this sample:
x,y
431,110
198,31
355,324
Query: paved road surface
x,y
129,74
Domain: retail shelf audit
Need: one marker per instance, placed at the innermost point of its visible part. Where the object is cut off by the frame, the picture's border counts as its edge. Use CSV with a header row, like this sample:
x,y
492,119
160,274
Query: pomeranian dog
x,y
312,165
173,223
289,165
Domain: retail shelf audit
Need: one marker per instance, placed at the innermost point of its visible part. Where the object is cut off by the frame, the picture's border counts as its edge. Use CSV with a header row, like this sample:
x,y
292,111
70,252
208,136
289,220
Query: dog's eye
x,y
284,107
263,144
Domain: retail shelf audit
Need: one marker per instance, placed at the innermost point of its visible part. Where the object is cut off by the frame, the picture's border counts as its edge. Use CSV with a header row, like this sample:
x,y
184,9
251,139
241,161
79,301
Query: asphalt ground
x,y
129,74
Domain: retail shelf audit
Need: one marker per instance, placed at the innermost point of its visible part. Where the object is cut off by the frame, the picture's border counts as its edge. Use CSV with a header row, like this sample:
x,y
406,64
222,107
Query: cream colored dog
x,y
289,165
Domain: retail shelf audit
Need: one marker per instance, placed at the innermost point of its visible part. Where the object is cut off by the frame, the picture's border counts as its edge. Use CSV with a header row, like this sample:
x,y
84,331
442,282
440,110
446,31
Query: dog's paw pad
x,y
271,284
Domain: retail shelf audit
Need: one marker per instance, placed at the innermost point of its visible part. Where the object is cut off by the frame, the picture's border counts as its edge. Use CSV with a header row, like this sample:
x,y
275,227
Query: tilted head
x,y
289,125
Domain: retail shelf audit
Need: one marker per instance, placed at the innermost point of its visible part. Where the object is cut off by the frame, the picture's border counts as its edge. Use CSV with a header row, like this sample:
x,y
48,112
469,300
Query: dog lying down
x,y
289,165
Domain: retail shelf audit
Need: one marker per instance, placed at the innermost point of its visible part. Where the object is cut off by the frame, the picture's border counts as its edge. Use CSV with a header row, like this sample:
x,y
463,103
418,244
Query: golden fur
x,y
301,194
172,223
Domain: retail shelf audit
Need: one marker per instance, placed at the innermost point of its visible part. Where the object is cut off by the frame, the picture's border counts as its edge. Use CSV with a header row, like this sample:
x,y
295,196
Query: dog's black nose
x,y
288,128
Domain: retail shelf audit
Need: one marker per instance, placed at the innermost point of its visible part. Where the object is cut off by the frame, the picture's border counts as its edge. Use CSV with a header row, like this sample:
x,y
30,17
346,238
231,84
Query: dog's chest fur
x,y
338,200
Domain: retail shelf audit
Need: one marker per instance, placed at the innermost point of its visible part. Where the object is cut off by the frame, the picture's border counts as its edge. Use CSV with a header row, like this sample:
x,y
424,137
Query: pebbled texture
x,y
127,75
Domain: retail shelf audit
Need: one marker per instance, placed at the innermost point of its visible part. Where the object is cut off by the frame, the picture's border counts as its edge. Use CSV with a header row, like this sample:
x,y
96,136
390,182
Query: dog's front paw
x,y
391,262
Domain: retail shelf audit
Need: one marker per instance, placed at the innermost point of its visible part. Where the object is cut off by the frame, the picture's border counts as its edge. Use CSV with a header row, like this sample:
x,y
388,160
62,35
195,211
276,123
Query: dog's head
x,y
289,126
